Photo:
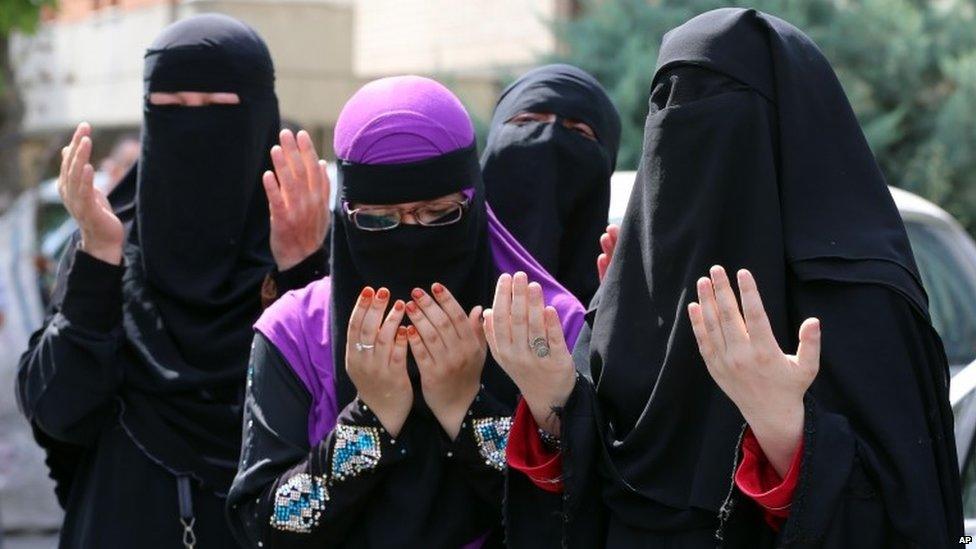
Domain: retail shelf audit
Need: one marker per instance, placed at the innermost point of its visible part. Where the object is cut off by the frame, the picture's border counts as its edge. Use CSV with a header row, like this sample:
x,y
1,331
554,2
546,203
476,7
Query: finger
x,y
358,313
283,173
488,328
713,328
554,330
276,202
418,346
474,324
388,330
602,264
451,308
733,327
520,290
398,357
501,309
808,352
432,338
77,164
757,323
614,231
68,153
293,156
605,243
701,332
374,316
535,312
310,162
436,315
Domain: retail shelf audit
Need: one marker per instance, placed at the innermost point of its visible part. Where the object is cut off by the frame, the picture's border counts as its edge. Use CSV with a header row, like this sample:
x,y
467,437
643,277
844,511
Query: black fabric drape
x,y
549,185
753,158
198,249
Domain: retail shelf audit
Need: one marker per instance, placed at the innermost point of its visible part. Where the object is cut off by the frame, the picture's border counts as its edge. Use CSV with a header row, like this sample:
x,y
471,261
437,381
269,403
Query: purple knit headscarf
x,y
393,120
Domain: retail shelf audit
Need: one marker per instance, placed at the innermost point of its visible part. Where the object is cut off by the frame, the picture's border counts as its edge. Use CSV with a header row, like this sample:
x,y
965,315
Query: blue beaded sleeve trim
x,y
355,450
299,503
491,434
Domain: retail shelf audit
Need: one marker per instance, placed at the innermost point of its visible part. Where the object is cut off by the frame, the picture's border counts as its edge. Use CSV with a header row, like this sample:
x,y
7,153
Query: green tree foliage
x,y
908,66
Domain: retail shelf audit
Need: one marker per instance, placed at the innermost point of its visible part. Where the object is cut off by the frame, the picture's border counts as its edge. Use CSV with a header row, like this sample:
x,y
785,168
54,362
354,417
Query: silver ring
x,y
364,347
540,346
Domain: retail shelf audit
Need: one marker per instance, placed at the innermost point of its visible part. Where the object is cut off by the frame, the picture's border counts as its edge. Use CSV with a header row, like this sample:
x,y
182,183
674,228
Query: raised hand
x,y
742,355
376,358
608,242
526,339
298,197
449,347
101,230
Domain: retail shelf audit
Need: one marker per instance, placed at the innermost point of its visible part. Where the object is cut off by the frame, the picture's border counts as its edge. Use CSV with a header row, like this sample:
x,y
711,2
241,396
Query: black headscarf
x,y
197,249
411,256
549,185
752,157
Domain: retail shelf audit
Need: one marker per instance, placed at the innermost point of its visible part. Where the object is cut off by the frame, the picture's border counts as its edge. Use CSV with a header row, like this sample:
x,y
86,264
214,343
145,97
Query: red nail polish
x,y
417,293
411,307
367,292
438,288
411,331
401,332
383,293
398,305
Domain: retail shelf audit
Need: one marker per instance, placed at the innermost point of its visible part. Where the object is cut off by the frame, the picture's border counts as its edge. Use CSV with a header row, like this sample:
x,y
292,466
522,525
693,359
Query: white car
x,y
946,257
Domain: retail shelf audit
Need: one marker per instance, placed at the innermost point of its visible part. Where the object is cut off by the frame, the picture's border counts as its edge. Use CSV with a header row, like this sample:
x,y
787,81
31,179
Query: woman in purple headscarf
x,y
359,432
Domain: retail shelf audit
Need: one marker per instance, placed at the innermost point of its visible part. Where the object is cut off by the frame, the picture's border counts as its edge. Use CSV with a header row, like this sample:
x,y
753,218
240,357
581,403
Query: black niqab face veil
x,y
548,184
198,245
753,158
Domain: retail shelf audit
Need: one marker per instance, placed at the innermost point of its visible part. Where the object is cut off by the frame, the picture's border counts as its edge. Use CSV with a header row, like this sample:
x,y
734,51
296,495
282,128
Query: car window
x,y
948,268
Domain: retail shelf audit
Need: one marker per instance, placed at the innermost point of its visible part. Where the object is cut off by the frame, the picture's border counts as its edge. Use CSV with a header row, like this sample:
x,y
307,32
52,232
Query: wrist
x,y
779,433
451,414
285,261
392,415
108,252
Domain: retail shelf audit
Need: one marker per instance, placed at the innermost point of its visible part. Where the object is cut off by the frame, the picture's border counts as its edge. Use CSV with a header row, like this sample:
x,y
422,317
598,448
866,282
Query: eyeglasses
x,y
379,218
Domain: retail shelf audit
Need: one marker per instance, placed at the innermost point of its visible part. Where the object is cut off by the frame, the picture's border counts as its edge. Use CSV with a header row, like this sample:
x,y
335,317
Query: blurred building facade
x,y
85,62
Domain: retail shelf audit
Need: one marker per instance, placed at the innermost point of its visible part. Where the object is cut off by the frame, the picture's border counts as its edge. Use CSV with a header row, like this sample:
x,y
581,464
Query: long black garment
x,y
549,184
424,490
137,376
753,158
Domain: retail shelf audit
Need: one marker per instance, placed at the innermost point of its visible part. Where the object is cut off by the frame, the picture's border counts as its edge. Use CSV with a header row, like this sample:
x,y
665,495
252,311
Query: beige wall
x,y
450,36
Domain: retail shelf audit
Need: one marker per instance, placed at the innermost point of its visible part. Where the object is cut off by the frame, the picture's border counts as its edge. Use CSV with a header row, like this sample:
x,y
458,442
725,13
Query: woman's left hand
x,y
742,355
449,347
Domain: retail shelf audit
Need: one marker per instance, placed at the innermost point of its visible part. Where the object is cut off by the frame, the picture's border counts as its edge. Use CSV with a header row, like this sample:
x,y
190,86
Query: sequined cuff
x,y
360,443
491,436
484,434
299,503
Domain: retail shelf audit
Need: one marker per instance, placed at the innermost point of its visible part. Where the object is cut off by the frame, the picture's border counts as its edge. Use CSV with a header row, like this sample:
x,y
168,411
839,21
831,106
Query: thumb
x,y
808,352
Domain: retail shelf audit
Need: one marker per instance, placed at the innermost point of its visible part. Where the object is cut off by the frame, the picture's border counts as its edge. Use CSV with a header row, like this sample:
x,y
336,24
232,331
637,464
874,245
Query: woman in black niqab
x,y
547,181
753,159
141,368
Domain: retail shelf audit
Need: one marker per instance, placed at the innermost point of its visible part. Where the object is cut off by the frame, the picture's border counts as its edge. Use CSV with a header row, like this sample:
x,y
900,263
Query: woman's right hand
x,y
526,339
378,365
101,230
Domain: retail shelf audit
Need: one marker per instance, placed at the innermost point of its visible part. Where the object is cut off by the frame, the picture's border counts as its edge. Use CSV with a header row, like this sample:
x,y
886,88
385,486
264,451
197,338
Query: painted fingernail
x,y
437,288
398,305
411,307
383,293
417,293
402,331
367,293
411,331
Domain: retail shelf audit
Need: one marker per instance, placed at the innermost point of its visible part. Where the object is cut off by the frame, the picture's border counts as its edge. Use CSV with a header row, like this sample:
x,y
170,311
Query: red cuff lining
x,y
757,479
527,454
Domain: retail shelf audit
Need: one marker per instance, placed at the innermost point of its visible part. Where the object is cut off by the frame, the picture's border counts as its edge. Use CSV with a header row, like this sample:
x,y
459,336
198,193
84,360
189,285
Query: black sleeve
x,y
278,283
288,493
576,519
479,448
879,464
70,372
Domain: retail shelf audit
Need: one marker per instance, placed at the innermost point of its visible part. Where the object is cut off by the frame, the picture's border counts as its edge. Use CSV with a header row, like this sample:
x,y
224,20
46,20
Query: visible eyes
x,y
573,124
193,99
